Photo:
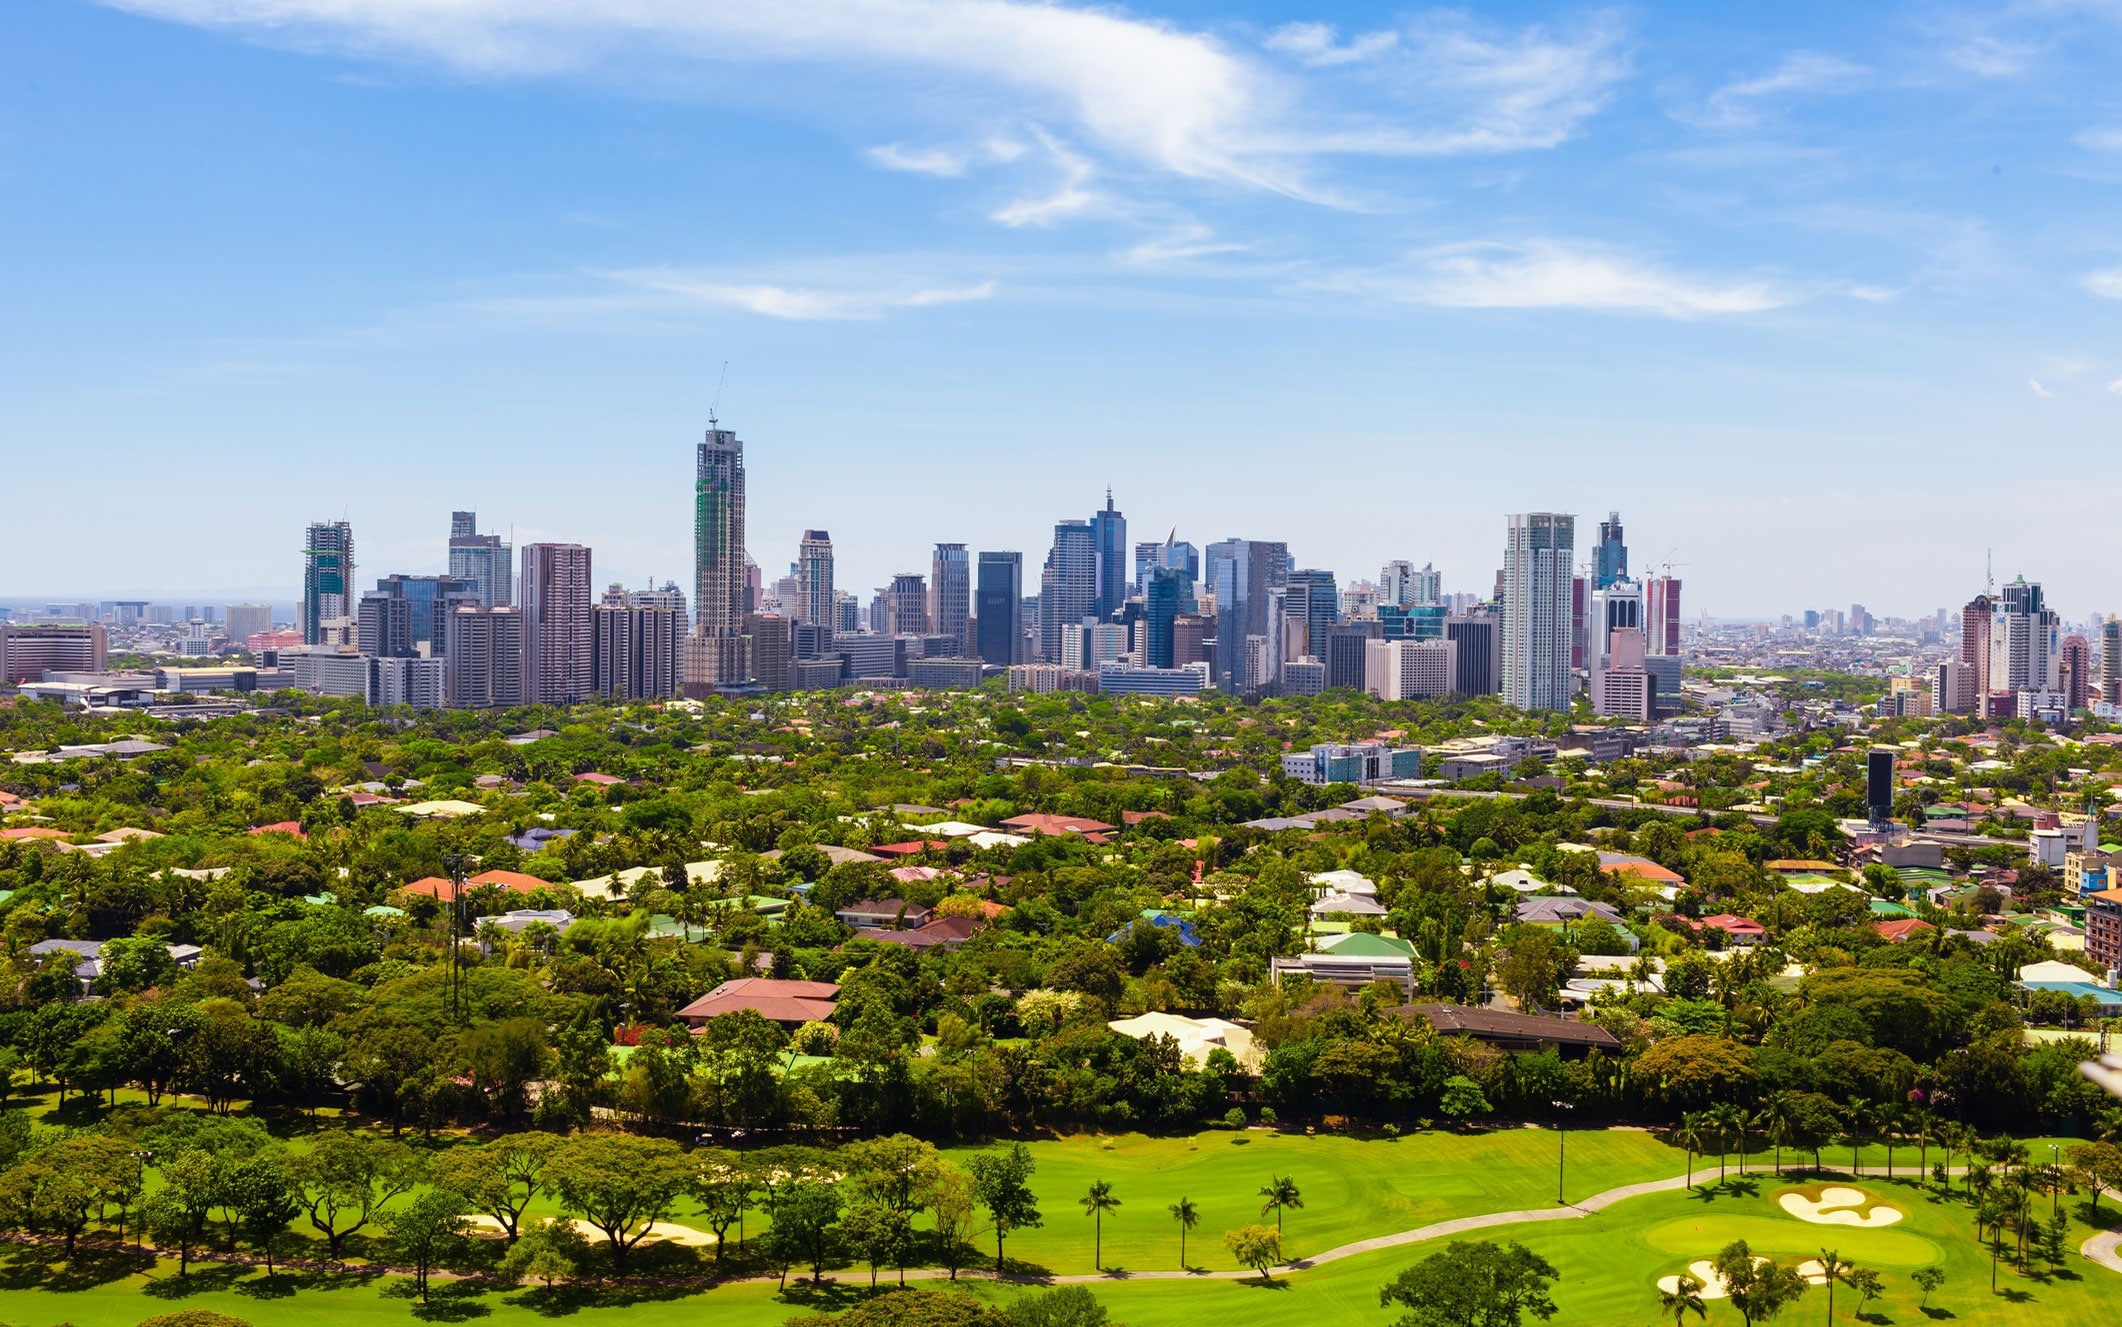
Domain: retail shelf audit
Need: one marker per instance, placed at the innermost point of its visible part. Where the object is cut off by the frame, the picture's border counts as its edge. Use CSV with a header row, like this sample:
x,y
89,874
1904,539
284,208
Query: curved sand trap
x,y
485,1227
1840,1206
1713,1287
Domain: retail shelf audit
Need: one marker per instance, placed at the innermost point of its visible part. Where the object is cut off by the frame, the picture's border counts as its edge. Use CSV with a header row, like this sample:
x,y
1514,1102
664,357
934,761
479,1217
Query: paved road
x,y
2101,1249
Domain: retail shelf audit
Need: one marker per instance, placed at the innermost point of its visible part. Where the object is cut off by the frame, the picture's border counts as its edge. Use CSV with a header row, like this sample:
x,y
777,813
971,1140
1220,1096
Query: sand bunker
x,y
485,1227
1713,1287
1840,1206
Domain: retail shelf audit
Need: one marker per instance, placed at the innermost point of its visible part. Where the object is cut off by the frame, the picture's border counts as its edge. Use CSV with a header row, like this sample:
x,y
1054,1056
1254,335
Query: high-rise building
x,y
482,559
1345,658
1193,640
2111,659
327,582
1621,687
1163,597
1538,554
384,626
1975,624
816,601
1411,669
772,648
1610,557
248,620
1480,658
634,642
2076,673
950,594
427,603
26,652
556,626
721,591
2025,641
905,606
1247,577
998,607
1109,544
1068,584
1314,603
1661,616
483,665
1172,553
1396,583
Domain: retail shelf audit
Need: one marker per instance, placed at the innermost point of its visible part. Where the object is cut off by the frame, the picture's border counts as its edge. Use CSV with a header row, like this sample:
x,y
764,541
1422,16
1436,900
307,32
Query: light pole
x,y
2055,1180
1561,1145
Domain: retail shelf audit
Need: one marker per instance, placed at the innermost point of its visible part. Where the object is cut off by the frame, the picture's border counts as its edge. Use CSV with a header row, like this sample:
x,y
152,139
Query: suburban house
x,y
1516,1032
90,956
881,914
789,1003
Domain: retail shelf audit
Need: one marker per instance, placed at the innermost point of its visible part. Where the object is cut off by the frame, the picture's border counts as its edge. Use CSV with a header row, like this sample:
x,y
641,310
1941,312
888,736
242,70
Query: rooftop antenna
x,y
716,405
1989,572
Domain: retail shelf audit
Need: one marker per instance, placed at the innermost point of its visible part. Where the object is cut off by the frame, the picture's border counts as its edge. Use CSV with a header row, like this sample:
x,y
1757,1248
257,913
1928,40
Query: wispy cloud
x,y
946,161
1183,101
2099,140
1745,103
1184,241
795,303
2038,390
2107,284
2115,386
1318,45
1070,198
1554,274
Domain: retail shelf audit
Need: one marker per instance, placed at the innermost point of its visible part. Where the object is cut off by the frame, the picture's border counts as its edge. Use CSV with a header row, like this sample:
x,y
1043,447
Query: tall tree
x,y
620,1184
1473,1284
1002,1182
1188,1216
1096,1204
346,1178
1279,1194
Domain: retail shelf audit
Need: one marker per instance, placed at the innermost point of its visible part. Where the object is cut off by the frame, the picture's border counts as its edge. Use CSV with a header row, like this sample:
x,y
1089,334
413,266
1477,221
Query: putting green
x,y
1780,1236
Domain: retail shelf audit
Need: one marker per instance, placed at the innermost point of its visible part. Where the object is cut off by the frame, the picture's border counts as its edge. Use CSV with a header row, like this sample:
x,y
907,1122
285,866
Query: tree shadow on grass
x,y
831,1297
561,1301
46,1267
203,1279
1932,1311
447,1301
2014,1295
1257,1284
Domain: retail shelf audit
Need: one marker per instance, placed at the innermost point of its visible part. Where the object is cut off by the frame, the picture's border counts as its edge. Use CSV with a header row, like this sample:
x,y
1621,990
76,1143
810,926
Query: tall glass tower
x,y
1610,558
327,578
718,559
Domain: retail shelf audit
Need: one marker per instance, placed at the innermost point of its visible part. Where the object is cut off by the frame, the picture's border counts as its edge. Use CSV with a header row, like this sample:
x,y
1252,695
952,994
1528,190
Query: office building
x,y
868,654
1108,530
1041,679
483,559
1621,687
816,674
327,583
1952,688
384,626
248,620
1401,584
816,600
1121,680
554,588
1068,585
1353,762
1480,659
905,603
1345,657
1537,577
772,649
427,602
1247,577
326,671
483,657
2025,641
1313,604
944,673
1411,669
714,654
950,595
1172,554
1163,595
27,652
2075,674
2111,659
1661,616
1610,555
1975,631
1193,639
1304,676
998,608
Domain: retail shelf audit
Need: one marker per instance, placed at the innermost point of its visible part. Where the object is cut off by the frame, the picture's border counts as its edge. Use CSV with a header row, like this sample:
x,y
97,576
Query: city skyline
x,y
1786,266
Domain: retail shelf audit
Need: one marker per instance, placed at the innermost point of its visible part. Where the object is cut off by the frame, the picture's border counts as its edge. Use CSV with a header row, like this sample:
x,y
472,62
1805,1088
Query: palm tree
x,y
1924,1123
1692,1134
1856,1115
1096,1204
1724,1120
1888,1118
1280,1192
1832,1267
1777,1119
1683,1299
1188,1216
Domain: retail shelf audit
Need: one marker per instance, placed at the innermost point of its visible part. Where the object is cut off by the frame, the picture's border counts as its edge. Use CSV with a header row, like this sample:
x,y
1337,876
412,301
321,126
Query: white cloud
x,y
2107,284
1548,274
795,303
946,161
1147,89
1072,197
2099,140
1189,240
2038,389
1315,44
1739,105
2115,387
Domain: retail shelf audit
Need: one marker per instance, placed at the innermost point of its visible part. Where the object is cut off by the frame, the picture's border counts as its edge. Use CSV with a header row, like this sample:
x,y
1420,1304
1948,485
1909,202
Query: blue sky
x,y
1824,298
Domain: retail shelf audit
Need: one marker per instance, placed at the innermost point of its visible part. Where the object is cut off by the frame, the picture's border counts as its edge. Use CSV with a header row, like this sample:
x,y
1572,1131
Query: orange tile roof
x,y
1901,928
292,828
34,833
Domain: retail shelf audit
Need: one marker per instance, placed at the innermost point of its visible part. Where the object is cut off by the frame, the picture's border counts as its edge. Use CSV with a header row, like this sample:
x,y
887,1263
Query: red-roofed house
x,y
431,886
1057,825
1742,930
435,886
910,848
1901,928
1137,817
291,828
789,1003
1638,868
601,780
38,832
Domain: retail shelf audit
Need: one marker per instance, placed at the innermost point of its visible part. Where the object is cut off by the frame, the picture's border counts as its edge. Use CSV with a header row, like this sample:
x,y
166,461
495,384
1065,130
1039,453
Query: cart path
x,y
2101,1249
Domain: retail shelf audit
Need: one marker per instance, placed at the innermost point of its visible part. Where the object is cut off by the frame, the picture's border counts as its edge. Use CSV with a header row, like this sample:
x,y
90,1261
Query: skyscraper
x,y
1975,622
1163,599
721,593
2110,659
1538,552
1610,558
1068,585
483,667
2025,641
1247,577
950,594
327,581
1172,552
634,639
905,606
816,602
556,624
481,559
1661,616
1109,540
1479,667
1315,601
247,620
998,608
